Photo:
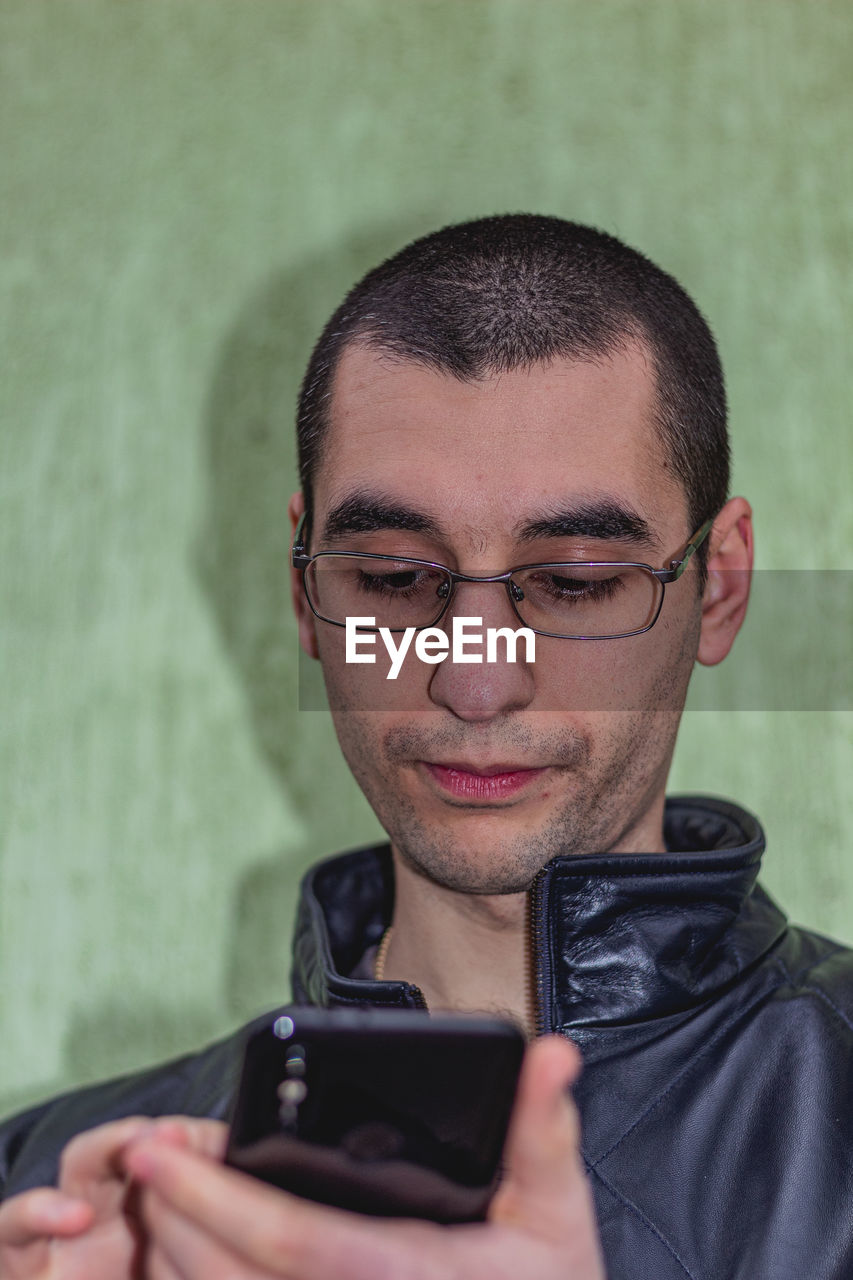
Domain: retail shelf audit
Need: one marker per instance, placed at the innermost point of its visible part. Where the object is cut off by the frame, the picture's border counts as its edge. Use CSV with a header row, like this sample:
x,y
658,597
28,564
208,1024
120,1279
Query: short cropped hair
x,y
506,292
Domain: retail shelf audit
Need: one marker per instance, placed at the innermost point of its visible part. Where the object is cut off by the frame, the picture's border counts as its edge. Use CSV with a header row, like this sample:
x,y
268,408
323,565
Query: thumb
x,y
545,1190
205,1137
38,1216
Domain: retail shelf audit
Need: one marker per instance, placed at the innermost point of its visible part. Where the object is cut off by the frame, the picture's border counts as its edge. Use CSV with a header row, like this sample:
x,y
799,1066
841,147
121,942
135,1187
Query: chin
x,y
477,861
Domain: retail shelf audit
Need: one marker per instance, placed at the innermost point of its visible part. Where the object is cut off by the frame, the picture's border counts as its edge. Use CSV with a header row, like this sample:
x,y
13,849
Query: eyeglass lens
x,y
566,600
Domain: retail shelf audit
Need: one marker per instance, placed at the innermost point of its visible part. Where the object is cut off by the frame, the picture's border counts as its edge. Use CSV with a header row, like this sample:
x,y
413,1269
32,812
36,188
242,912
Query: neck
x,y
468,953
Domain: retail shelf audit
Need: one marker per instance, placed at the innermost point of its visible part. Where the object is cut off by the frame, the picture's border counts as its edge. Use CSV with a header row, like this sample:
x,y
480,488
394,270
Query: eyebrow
x,y
604,519
372,512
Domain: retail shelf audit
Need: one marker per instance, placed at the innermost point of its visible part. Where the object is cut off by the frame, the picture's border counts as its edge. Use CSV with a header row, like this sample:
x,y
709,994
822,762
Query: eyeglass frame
x,y
301,561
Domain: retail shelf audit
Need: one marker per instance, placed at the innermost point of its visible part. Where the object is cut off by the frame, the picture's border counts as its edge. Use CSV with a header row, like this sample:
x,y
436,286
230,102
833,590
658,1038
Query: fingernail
x,y
171,1130
140,1161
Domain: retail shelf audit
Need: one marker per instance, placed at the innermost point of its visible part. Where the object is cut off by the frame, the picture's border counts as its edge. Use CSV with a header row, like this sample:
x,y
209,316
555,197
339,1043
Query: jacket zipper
x,y
539,960
539,955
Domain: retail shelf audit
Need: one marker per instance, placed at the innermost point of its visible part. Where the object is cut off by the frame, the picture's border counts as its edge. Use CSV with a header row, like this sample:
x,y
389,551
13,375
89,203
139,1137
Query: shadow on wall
x,y
243,563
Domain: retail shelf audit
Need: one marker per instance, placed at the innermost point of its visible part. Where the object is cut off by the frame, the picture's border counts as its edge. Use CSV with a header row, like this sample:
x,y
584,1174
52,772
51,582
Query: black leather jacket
x,y
717,1092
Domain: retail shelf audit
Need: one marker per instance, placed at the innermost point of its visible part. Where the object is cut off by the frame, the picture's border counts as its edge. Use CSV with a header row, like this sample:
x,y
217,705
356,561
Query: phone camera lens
x,y
292,1092
294,1063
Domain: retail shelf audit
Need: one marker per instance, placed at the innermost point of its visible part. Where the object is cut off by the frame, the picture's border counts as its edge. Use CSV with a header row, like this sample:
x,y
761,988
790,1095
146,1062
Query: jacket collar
x,y
618,939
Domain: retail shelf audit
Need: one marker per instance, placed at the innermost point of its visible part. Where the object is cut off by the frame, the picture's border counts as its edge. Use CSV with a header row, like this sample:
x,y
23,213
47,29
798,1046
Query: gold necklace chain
x,y
382,954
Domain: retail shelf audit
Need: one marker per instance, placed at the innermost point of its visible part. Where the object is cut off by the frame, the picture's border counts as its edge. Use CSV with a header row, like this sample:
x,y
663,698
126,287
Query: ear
x,y
305,620
726,592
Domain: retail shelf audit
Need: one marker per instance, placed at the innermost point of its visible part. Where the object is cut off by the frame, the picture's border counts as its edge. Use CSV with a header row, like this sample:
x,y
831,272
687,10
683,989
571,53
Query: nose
x,y
479,690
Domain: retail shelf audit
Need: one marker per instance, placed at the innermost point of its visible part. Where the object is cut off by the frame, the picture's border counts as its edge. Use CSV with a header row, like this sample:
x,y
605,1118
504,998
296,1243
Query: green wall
x,y
186,190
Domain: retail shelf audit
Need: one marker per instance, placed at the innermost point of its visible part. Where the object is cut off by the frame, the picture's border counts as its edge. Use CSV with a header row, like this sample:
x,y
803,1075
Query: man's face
x,y
482,773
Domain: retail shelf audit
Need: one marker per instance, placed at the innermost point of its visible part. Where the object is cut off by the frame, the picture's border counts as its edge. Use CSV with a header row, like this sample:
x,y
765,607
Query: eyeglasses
x,y
574,600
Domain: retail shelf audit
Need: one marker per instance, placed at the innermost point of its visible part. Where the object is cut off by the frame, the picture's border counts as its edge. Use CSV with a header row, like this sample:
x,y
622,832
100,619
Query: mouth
x,y
483,784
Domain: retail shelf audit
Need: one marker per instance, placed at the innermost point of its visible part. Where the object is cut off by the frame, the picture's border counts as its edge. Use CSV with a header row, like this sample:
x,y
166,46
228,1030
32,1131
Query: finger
x,y
207,1137
42,1214
158,1266
544,1173
179,1248
92,1157
264,1227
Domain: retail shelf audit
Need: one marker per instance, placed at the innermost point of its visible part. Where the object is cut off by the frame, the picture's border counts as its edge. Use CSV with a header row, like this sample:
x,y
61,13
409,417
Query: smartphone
x,y
397,1113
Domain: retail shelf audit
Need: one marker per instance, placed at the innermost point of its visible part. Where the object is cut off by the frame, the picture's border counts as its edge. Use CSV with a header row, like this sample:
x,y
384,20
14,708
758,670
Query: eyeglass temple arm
x,y
678,566
298,557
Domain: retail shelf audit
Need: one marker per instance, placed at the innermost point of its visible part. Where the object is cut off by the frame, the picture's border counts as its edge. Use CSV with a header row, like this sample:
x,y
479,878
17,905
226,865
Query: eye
x,y
573,585
401,582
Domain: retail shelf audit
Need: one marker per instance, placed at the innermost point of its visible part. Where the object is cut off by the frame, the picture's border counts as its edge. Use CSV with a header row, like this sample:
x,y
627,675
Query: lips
x,y
481,783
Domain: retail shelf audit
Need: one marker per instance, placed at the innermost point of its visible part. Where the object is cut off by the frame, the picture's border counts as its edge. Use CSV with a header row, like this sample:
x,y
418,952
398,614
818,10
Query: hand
x,y
87,1228
206,1222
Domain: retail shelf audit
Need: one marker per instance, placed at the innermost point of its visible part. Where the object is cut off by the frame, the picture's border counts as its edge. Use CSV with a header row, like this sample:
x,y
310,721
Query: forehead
x,y
480,453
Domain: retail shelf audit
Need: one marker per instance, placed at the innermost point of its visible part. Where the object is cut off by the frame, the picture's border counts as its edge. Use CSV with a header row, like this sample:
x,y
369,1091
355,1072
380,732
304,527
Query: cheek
x,y
360,737
364,686
638,673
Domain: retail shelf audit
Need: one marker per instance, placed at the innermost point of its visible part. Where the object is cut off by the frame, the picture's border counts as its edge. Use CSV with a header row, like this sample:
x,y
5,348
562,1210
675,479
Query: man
x,y
516,394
